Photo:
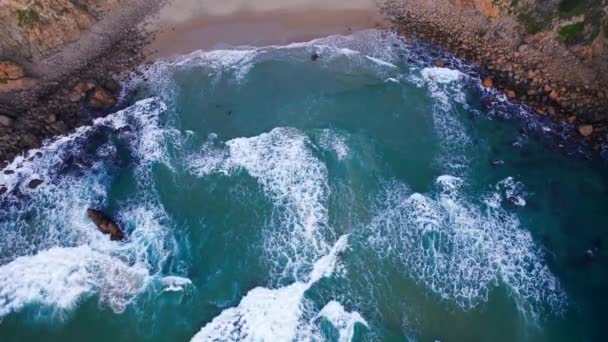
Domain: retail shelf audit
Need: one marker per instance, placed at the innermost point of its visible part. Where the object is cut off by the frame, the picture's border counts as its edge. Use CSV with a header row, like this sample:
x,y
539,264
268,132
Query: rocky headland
x,y
551,55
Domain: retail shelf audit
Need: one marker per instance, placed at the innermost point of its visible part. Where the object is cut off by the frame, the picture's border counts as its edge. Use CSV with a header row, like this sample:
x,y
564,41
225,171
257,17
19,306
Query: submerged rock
x,y
105,224
34,183
314,57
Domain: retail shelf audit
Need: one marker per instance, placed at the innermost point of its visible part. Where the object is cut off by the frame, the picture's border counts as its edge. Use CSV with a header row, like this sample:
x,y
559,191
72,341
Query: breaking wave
x,y
52,255
460,249
288,172
276,314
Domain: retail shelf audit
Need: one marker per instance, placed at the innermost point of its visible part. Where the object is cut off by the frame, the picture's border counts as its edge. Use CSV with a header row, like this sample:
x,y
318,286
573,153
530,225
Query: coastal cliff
x,y
31,30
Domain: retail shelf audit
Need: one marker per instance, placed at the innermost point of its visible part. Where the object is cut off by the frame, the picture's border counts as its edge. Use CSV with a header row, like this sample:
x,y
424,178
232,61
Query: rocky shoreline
x,y
48,90
530,69
29,117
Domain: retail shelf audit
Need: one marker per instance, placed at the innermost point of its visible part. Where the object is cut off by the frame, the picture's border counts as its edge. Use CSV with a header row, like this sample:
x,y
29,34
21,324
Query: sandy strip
x,y
185,26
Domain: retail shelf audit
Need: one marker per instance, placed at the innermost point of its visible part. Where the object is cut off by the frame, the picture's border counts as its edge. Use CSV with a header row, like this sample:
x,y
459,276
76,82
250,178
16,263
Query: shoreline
x,y
248,28
92,90
513,63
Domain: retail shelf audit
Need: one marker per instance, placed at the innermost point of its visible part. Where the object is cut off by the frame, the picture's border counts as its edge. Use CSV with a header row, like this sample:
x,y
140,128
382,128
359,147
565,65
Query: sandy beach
x,y
185,25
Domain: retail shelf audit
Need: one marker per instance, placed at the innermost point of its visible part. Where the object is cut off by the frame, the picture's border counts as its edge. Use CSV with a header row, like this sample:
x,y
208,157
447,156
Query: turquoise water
x,y
270,197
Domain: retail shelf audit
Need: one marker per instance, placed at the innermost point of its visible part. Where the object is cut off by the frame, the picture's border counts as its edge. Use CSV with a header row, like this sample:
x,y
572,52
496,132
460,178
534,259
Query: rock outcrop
x,y
12,77
33,29
68,54
523,51
105,224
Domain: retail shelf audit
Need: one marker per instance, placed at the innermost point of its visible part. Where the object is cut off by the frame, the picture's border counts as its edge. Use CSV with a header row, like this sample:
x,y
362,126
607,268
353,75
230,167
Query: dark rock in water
x,y
3,190
314,57
34,183
124,129
8,172
105,224
497,162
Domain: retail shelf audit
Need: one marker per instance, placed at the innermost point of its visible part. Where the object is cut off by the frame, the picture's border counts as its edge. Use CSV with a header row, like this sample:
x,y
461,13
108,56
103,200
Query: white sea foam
x,y
441,75
370,52
175,284
461,250
52,254
38,162
237,61
342,320
59,278
270,314
381,62
445,88
510,190
288,172
335,142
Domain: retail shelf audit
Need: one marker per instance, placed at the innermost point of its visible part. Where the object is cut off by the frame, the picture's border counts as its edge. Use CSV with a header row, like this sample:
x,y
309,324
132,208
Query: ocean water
x,y
364,196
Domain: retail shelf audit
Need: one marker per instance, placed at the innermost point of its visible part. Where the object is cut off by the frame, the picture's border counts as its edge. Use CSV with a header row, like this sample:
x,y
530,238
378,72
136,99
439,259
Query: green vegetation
x,y
539,16
571,33
27,18
570,8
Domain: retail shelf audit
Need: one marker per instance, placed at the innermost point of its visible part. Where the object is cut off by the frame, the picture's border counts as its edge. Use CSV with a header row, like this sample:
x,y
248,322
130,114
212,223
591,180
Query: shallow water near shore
x,y
366,195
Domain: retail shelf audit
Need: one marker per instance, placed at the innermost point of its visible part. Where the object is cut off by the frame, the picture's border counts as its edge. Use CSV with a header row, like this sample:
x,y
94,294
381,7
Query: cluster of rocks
x,y
57,106
532,69
12,77
56,114
69,55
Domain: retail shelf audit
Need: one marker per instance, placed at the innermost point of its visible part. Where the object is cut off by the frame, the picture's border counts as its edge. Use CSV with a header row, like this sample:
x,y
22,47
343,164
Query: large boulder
x,y
101,99
105,224
10,71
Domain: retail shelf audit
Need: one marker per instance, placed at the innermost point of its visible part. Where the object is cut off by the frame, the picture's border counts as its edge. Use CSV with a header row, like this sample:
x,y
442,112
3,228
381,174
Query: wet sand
x,y
185,26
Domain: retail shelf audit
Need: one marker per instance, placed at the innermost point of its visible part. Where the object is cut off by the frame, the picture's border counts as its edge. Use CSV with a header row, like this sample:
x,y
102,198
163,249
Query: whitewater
x,y
267,196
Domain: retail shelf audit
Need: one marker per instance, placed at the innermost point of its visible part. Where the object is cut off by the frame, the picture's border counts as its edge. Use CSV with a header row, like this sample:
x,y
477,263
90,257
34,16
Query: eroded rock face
x,y
489,8
33,29
105,224
10,71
